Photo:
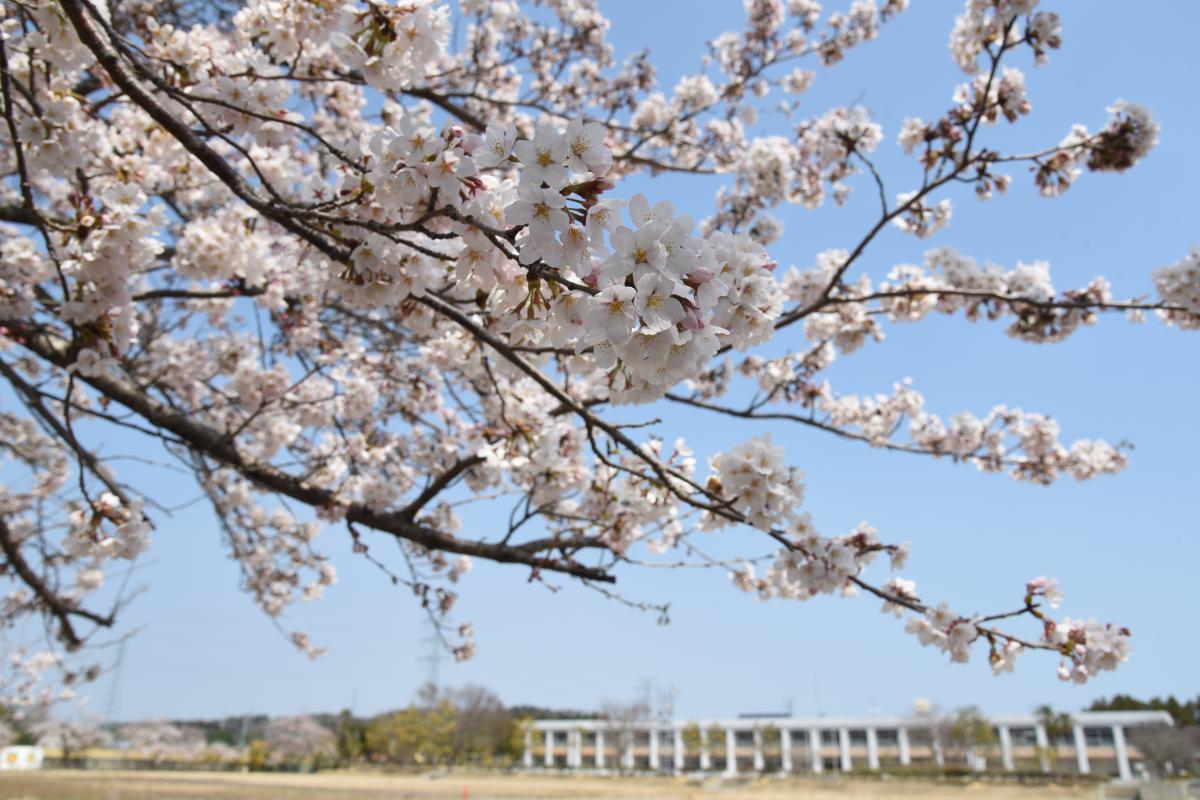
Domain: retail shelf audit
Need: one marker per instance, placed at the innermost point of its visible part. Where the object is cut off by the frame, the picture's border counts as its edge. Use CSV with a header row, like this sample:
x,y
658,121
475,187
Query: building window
x,y
887,738
858,738
799,738
744,738
1098,737
829,738
1023,737
920,737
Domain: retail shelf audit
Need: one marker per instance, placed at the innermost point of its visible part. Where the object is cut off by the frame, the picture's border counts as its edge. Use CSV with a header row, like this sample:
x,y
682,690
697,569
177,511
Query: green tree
x,y
350,744
257,755
772,741
691,737
441,725
716,741
377,738
971,732
514,741
1059,725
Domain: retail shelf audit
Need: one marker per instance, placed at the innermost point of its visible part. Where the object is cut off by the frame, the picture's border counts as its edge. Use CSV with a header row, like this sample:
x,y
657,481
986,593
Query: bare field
x,y
101,785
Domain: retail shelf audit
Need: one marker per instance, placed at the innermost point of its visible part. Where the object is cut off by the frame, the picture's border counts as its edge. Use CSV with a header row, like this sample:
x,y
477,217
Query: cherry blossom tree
x,y
160,740
70,737
351,277
294,739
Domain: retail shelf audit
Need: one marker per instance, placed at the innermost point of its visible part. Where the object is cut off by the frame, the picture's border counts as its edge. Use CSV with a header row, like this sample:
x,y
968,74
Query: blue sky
x,y
1124,547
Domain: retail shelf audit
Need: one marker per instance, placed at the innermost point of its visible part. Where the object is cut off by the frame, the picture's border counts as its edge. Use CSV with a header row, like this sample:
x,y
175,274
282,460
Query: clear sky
x,y
1125,548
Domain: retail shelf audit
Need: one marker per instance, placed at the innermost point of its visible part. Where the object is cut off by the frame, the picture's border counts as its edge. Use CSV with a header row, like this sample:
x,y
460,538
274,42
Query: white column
x,y
872,750
814,750
785,749
935,741
548,756
599,749
730,752
705,758
905,752
527,756
1006,753
844,748
1081,754
653,748
1122,752
1043,745
758,750
677,756
627,749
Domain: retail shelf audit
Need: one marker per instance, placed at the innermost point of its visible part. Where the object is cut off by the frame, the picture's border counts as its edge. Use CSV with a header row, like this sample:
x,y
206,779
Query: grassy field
x,y
97,785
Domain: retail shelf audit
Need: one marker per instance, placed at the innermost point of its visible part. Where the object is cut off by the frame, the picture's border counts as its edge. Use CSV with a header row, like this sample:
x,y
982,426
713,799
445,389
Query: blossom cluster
x,y
985,23
662,301
1179,286
394,46
1128,137
816,564
1089,647
763,489
951,282
946,630
273,550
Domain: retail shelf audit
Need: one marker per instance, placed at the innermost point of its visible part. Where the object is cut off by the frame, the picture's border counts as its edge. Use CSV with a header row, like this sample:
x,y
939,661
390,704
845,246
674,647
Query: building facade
x,y
1098,743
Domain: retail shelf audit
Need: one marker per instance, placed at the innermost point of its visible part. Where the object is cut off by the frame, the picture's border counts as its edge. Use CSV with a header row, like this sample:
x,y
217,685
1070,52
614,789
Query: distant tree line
x,y
1183,713
466,726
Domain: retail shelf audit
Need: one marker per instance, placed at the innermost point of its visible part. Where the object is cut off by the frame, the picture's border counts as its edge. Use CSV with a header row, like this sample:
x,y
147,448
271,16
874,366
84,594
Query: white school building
x,y
1098,743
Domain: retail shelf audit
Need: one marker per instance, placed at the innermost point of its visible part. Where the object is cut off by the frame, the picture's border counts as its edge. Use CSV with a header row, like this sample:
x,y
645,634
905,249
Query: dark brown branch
x,y
215,444
61,610
437,485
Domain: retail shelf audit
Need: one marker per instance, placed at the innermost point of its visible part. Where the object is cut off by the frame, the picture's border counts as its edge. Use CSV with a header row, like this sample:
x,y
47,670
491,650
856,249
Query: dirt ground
x,y
98,785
